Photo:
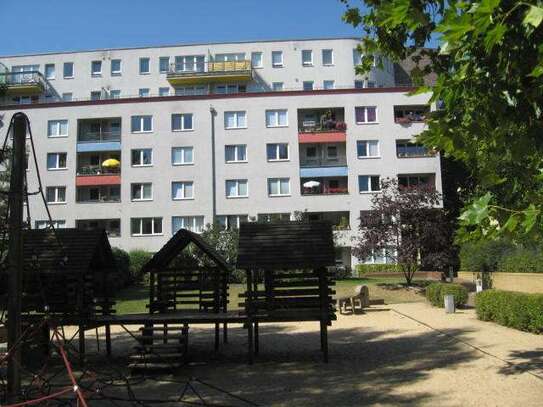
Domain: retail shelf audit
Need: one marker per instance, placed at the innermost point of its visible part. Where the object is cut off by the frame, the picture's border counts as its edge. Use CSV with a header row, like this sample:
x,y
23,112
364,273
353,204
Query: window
x,y
96,95
405,148
307,57
273,217
96,68
358,84
237,188
164,64
357,57
142,157
193,223
277,86
367,148
142,191
182,122
50,71
191,90
278,186
144,92
277,59
111,226
144,66
115,94
182,155
327,57
308,85
182,190
235,120
276,118
370,84
115,67
256,59
229,89
145,226
56,224
331,153
163,91
277,152
190,63
229,222
56,195
328,85
142,124
67,97
410,181
365,114
56,161
235,153
57,128
68,70
369,183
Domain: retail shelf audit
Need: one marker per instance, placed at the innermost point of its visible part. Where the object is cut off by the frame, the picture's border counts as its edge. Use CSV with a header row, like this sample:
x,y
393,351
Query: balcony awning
x,y
322,137
94,147
323,172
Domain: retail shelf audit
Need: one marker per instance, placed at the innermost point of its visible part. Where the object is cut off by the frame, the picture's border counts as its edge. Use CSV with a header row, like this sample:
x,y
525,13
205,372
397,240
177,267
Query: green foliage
x,y
484,255
225,242
138,259
436,292
515,310
122,260
522,260
362,269
489,82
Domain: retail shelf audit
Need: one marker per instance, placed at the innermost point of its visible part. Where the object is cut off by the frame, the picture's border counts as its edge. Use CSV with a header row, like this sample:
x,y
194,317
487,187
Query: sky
x,y
35,26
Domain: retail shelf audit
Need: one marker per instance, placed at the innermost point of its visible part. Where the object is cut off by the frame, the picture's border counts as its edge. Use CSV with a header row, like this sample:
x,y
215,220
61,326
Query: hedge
x,y
377,268
512,309
522,260
138,258
484,256
436,292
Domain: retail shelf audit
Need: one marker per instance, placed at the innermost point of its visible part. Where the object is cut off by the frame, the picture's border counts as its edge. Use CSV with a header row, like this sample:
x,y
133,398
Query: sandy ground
x,y
403,354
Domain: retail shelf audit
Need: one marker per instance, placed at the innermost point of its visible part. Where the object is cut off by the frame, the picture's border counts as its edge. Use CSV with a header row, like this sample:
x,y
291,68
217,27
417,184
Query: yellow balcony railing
x,y
209,72
22,83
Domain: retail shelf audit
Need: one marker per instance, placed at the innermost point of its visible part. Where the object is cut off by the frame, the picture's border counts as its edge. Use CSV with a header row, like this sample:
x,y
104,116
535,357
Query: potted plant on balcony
x,y
403,120
341,126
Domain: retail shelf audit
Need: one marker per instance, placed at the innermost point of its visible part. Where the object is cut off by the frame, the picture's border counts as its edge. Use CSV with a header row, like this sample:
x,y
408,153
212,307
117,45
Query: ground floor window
x,y
192,223
145,226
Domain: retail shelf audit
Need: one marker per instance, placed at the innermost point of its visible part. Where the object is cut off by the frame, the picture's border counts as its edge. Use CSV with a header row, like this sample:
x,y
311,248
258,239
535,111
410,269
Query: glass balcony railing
x,y
323,162
22,83
99,136
212,71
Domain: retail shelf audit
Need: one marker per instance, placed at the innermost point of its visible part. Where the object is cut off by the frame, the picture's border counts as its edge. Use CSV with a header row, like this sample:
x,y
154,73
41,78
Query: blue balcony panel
x,y
323,172
92,147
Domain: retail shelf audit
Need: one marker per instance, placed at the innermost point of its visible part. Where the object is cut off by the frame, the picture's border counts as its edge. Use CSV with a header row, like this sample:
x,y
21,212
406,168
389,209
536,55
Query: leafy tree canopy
x,y
489,69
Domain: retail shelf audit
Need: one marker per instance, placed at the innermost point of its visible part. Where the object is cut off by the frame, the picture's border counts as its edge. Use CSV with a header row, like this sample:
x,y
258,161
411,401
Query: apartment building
x,y
144,141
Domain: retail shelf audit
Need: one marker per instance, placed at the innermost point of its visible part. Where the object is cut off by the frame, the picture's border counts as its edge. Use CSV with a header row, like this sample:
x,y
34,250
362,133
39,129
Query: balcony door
x,y
190,63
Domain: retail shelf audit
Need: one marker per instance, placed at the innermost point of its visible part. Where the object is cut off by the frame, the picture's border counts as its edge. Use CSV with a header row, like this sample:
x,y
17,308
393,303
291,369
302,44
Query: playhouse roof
x,y
285,245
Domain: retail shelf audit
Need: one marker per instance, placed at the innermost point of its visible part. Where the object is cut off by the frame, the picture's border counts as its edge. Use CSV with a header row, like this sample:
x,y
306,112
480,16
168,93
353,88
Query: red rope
x,y
42,399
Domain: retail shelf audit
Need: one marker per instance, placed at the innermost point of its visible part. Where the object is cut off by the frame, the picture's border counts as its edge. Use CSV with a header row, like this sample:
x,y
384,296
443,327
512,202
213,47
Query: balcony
x,y
324,186
22,83
323,155
111,226
321,125
95,169
209,72
409,182
407,149
98,194
99,135
339,220
405,115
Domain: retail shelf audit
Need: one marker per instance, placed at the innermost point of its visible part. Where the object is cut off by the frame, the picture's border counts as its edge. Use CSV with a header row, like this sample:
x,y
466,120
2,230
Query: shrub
x,y
362,269
522,260
435,293
138,258
484,256
515,310
122,260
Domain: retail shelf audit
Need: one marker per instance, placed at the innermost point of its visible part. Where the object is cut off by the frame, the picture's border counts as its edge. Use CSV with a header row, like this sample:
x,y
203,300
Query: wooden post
x,y
325,310
257,344
82,344
249,311
255,290
15,253
225,333
217,336
108,339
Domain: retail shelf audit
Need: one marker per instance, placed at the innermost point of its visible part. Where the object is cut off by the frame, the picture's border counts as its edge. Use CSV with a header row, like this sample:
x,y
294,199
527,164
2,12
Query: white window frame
x,y
183,126
148,65
369,191
144,92
280,182
310,62
153,233
280,64
141,156
237,181
183,148
115,94
141,121
261,65
328,84
366,115
160,60
119,72
56,189
57,124
196,227
141,191
312,86
237,114
276,114
96,73
52,74
368,156
277,146
57,161
64,70
331,54
236,148
57,224
183,185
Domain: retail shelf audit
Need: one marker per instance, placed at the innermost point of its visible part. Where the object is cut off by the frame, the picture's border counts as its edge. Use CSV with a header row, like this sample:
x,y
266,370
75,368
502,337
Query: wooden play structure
x,y
287,276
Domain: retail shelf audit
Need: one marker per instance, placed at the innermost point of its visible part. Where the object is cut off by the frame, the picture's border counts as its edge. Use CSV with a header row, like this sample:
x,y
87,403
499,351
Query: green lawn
x,y
134,299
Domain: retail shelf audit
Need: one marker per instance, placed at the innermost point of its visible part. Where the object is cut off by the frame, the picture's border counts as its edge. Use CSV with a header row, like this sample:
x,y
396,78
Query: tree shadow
x,y
523,361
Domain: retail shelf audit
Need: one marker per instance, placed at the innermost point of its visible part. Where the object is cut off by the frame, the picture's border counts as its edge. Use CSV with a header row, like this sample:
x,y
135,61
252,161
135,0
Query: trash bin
x,y
449,303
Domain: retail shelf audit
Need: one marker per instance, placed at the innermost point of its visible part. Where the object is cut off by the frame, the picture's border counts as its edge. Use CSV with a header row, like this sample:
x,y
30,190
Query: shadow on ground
x,y
522,361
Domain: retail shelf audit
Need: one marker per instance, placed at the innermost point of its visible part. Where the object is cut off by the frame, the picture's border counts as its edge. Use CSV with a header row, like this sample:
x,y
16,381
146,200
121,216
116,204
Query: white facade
x,y
246,182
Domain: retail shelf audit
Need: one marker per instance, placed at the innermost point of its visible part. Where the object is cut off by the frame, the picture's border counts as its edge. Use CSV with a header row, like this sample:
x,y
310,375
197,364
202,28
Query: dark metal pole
x,y
15,253
213,113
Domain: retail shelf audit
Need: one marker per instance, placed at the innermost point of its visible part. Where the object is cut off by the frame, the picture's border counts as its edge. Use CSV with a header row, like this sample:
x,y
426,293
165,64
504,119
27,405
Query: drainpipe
x,y
213,113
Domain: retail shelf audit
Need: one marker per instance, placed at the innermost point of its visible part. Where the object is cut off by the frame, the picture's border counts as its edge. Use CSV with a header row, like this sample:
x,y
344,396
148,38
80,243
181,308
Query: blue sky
x,y
31,26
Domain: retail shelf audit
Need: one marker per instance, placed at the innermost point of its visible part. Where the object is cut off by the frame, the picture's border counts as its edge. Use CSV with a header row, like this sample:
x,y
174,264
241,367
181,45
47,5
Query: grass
x,y
133,300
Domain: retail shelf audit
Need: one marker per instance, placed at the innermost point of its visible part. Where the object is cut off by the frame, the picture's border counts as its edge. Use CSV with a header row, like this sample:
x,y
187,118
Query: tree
x,y
408,225
489,69
225,242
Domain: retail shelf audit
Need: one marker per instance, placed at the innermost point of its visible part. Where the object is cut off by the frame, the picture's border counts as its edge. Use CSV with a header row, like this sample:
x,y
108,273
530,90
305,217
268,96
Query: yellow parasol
x,y
111,163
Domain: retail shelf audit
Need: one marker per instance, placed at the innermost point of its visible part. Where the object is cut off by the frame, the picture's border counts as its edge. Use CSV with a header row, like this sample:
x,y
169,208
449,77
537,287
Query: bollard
x,y
479,285
449,303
